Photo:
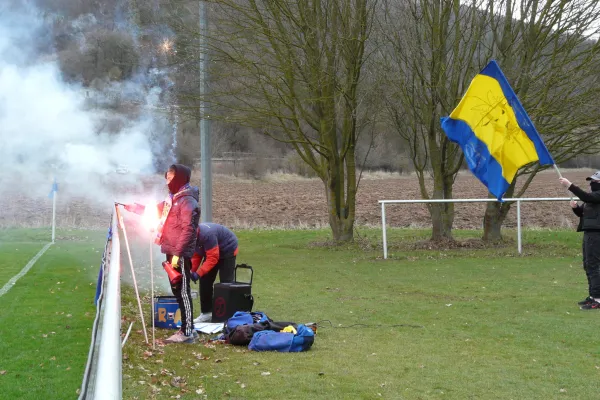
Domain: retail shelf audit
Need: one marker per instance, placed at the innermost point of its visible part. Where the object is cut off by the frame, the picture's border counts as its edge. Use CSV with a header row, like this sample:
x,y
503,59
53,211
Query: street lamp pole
x,y
205,146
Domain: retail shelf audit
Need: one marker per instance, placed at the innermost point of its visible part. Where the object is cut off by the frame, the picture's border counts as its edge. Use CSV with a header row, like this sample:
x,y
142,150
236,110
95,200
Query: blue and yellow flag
x,y
494,131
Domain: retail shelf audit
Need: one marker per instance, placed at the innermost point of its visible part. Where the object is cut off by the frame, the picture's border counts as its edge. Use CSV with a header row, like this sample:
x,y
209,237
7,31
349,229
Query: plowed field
x,y
288,201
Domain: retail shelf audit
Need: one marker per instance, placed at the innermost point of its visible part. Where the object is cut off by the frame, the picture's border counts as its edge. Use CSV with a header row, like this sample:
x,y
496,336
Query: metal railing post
x,y
384,231
519,247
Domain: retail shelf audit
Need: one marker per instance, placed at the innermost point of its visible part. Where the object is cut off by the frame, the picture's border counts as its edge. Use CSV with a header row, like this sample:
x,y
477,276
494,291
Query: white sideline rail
x,y
488,200
109,384
102,378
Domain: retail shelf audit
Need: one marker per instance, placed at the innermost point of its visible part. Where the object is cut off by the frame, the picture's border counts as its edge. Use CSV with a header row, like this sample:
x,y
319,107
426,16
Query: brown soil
x,y
244,203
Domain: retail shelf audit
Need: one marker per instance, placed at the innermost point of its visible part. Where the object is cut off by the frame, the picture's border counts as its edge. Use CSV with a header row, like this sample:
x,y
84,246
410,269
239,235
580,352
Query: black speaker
x,y
231,297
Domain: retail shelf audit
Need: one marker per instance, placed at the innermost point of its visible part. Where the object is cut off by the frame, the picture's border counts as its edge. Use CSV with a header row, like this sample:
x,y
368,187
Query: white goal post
x,y
488,200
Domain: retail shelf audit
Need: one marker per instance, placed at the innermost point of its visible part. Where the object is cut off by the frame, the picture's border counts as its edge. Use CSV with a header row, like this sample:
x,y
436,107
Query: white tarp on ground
x,y
209,327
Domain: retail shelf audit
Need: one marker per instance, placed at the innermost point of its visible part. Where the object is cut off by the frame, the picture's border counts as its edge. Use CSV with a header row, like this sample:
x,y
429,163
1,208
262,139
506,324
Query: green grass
x,y
46,318
468,323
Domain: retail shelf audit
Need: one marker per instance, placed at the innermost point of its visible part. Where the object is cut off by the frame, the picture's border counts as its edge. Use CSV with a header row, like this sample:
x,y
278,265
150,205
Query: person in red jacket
x,y
216,251
176,235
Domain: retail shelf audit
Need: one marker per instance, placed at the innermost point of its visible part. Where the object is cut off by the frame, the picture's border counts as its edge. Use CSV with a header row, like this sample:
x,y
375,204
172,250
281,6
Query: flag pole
x,y
137,294
557,170
560,176
152,294
53,216
52,194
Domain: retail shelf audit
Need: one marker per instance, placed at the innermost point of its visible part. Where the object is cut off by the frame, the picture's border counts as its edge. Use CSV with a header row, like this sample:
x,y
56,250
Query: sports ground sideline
x,y
47,310
25,269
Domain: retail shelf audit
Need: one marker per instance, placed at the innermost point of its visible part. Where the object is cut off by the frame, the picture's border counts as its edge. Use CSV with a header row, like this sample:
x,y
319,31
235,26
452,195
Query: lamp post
x,y
205,146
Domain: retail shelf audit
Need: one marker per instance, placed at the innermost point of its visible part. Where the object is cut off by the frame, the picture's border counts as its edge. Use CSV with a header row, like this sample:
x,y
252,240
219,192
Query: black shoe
x,y
593,305
586,301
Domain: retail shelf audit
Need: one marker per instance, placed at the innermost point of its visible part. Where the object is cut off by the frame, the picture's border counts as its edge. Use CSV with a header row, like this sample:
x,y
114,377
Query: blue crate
x,y
166,312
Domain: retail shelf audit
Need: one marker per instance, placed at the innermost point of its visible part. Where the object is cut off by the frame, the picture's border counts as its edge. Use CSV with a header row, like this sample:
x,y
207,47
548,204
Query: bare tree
x,y
549,51
429,50
295,70
433,48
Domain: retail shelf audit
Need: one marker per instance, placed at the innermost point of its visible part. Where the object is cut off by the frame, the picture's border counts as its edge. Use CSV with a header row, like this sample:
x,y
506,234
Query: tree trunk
x,y
340,188
341,219
442,218
342,228
495,214
442,214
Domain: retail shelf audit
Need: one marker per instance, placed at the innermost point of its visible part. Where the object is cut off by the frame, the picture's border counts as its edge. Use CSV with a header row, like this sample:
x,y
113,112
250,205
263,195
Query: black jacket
x,y
589,212
179,231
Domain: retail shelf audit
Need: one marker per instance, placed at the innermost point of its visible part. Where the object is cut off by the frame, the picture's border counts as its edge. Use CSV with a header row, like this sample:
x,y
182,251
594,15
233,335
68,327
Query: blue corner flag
x,y
54,189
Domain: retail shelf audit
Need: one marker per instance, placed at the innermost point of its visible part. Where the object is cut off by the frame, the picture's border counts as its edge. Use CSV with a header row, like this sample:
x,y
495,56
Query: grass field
x,y
427,324
459,324
47,315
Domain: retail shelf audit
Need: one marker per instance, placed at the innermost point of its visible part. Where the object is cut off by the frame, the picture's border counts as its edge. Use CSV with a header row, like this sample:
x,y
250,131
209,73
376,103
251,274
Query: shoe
x,y
180,337
585,301
203,317
593,305
195,334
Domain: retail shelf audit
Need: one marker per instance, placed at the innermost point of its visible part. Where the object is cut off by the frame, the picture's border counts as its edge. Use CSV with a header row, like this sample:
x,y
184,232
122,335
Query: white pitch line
x,y
15,278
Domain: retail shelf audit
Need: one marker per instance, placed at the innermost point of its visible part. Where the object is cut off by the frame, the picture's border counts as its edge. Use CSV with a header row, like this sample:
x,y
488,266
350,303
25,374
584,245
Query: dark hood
x,y
182,177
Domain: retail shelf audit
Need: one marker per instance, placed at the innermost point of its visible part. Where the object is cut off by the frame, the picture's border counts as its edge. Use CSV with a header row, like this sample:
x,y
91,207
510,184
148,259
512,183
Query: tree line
x,y
348,84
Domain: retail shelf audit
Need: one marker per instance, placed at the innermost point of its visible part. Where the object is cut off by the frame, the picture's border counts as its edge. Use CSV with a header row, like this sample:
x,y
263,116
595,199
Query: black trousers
x,y
183,294
225,267
591,262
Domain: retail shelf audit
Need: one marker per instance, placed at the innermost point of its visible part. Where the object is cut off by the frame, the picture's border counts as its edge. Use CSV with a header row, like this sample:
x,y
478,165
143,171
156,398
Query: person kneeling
x,y
216,251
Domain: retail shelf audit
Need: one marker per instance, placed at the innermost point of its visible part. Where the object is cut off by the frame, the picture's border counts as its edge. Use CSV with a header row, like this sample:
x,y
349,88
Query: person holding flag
x,y
498,138
589,224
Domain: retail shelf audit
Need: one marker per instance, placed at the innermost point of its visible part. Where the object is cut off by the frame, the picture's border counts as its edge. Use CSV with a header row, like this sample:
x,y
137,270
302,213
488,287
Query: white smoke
x,y
142,249
47,132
